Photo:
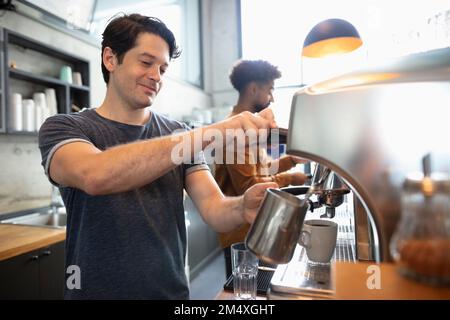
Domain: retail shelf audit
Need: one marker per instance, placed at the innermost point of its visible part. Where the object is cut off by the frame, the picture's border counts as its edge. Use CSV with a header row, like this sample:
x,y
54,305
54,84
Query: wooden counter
x,y
354,280
18,239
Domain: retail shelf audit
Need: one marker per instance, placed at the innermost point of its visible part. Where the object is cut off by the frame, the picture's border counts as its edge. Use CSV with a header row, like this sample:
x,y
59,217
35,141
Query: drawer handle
x,y
47,253
34,258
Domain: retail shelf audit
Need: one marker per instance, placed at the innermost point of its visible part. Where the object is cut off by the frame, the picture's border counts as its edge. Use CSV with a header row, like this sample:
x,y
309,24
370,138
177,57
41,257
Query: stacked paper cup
x,y
29,115
15,114
50,96
41,109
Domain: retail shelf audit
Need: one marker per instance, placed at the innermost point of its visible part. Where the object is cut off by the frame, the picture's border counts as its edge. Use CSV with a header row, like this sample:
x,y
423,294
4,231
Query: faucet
x,y
56,201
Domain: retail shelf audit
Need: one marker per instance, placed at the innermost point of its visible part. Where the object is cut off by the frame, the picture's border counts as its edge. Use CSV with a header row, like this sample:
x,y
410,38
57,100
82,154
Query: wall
x,y
222,48
221,45
178,99
27,187
22,181
23,184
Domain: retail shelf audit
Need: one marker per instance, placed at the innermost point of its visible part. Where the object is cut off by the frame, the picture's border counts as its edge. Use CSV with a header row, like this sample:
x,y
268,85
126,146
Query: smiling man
x,y
123,192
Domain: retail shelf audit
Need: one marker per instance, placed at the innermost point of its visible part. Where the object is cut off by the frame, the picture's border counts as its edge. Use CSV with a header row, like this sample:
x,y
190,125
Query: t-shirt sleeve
x,y
56,132
198,160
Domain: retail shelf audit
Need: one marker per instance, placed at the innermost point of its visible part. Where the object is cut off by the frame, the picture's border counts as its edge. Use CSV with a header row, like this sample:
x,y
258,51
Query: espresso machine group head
x,y
329,188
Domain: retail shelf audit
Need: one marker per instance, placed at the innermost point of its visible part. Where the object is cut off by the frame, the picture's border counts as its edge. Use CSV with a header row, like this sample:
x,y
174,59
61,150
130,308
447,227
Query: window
x,y
181,17
74,15
274,30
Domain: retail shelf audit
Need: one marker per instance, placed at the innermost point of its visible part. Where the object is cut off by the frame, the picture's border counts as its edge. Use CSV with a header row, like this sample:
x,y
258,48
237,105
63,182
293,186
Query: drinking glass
x,y
245,270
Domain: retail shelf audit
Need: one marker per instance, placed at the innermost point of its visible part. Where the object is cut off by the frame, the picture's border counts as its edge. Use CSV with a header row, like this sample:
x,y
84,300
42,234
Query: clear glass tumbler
x,y
245,270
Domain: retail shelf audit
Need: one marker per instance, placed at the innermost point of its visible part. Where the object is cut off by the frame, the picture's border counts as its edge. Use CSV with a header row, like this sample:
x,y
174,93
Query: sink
x,y
47,219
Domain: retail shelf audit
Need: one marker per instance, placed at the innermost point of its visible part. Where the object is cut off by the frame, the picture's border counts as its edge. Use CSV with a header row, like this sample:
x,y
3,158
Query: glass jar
x,y
421,244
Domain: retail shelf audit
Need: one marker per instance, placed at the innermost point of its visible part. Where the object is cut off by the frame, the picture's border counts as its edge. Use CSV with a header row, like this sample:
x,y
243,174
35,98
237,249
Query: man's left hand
x,y
253,197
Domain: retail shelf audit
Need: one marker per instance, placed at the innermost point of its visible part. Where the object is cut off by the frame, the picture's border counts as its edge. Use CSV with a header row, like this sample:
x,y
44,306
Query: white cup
x,y
76,77
28,115
50,96
319,238
245,270
38,117
16,112
40,103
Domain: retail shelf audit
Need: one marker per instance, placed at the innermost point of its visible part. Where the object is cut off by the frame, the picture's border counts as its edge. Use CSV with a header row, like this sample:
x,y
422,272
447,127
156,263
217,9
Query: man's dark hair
x,y
246,71
121,34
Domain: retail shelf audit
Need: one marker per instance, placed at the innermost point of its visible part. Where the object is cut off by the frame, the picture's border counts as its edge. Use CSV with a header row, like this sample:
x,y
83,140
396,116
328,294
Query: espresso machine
x,y
365,132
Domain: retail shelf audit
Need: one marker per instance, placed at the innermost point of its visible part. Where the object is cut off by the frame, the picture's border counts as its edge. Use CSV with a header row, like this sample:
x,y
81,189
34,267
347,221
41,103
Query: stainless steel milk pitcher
x,y
274,234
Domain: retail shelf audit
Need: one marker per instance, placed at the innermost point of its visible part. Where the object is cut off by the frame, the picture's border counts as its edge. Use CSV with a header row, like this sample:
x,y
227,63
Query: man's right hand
x,y
251,121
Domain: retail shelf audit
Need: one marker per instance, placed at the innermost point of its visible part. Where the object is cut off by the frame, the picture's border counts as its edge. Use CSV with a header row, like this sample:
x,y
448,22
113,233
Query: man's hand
x,y
252,199
251,121
297,160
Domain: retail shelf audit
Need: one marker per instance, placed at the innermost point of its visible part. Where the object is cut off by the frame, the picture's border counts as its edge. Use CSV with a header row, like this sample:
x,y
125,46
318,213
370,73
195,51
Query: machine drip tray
x,y
301,279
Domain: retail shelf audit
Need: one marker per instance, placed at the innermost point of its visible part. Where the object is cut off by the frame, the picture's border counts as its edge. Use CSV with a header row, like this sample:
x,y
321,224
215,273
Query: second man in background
x,y
254,80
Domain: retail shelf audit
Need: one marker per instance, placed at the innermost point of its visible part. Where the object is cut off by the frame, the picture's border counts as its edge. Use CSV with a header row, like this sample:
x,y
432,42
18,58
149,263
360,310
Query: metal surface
x,y
50,219
274,234
300,279
321,174
329,188
372,127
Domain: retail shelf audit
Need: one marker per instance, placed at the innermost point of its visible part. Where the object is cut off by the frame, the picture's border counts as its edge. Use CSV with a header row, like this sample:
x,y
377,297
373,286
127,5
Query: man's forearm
x,y
130,166
225,214
133,165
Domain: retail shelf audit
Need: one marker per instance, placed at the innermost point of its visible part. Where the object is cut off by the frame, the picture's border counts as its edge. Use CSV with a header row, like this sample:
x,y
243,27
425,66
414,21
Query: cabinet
x,y
38,274
202,241
28,66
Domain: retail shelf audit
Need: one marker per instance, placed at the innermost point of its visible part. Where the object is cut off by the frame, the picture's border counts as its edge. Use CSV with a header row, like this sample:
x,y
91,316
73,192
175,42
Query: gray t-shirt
x,y
128,245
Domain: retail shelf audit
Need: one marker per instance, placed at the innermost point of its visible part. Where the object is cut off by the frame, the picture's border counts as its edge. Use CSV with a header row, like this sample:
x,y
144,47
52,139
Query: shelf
x,y
28,76
81,88
26,42
27,82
